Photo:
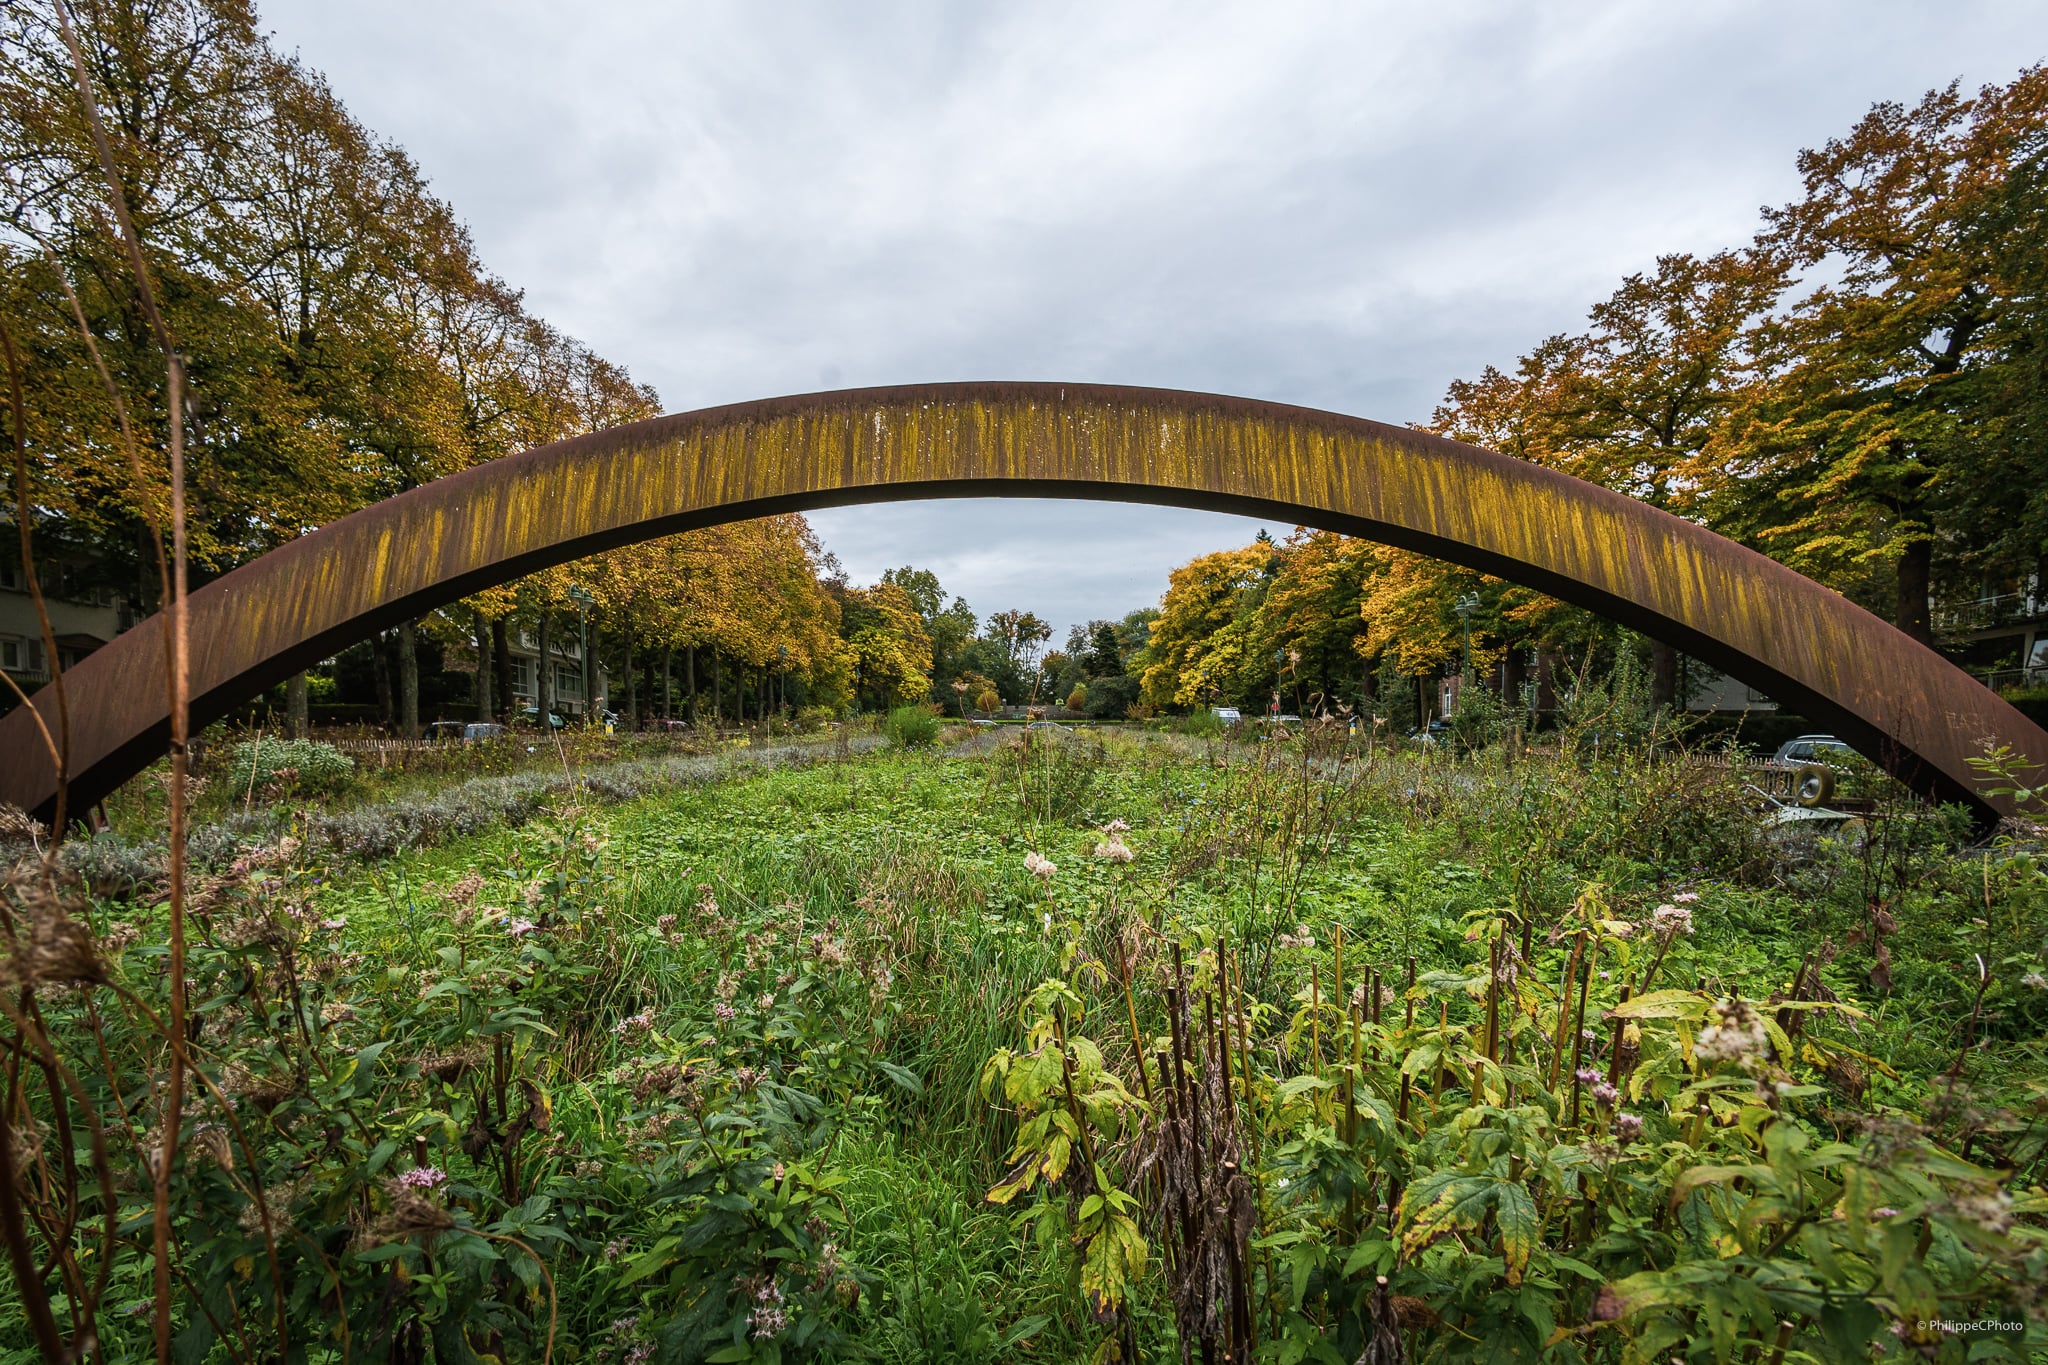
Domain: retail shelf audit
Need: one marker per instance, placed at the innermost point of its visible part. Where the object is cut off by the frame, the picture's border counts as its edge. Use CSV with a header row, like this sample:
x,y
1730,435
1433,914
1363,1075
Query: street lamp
x,y
1465,606
584,602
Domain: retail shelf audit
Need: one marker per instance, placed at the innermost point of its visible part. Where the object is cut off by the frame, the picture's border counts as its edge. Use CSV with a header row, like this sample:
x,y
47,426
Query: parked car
x,y
445,731
1229,715
483,731
1049,725
1431,733
1817,765
531,716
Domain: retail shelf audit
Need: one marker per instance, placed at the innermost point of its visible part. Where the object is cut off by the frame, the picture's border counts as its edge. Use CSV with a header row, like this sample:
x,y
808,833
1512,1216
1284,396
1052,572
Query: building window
x,y
568,684
20,656
522,677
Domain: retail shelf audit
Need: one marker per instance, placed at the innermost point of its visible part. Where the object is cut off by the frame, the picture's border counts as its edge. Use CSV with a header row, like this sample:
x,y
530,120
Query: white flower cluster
x,y
1039,866
1670,921
1736,1034
1300,938
1116,850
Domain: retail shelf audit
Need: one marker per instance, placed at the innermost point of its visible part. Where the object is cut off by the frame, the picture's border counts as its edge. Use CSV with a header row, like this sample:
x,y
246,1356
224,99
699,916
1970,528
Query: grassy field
x,y
1089,1048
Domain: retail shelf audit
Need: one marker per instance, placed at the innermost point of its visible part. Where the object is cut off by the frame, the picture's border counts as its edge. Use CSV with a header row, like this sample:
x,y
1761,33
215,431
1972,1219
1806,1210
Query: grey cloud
x,y
1339,205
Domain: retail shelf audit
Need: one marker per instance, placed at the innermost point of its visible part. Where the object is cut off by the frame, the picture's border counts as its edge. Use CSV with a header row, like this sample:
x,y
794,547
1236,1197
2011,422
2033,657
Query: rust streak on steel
x,y
1893,698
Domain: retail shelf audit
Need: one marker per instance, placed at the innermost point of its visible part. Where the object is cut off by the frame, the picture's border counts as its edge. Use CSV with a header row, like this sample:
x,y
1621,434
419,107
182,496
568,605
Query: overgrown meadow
x,y
1053,1047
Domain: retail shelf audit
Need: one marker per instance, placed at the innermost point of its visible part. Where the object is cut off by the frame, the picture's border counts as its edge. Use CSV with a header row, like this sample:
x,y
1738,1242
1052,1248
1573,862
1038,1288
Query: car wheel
x,y
1813,785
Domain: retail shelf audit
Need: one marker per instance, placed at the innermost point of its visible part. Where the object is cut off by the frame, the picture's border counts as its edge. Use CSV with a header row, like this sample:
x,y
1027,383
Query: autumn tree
x,y
1855,454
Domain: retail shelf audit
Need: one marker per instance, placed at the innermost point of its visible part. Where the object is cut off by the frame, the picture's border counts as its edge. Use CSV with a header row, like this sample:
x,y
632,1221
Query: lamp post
x,y
584,602
1279,665
1465,606
782,678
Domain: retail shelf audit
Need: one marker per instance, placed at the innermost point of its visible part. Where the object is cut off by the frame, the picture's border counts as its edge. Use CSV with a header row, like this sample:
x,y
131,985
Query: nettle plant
x,y
1511,1160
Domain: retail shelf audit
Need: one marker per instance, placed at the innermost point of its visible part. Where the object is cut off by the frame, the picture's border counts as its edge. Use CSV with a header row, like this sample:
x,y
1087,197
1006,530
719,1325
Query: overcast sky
x,y
1345,205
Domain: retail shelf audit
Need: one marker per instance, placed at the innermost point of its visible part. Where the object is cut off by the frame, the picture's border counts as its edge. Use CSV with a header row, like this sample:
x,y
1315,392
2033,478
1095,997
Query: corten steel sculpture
x,y
1891,697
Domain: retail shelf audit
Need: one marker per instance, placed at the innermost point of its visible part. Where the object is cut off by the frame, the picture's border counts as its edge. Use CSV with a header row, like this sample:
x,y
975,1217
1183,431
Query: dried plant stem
x,y
178,665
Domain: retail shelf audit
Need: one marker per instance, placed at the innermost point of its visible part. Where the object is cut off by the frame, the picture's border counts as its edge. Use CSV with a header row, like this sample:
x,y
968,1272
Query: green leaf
x,y
1664,1005
1023,1329
1520,1227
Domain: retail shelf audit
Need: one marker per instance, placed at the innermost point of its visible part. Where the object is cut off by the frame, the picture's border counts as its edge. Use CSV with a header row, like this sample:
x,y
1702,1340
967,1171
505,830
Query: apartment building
x,y
83,616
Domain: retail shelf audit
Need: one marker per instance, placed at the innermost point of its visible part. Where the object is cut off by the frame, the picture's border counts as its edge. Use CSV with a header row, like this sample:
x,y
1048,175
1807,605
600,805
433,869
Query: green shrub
x,y
912,727
812,719
1112,698
1205,724
297,767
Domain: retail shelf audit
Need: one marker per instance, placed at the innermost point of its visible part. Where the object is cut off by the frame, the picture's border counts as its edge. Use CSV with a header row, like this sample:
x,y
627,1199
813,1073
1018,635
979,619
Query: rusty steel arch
x,y
1893,698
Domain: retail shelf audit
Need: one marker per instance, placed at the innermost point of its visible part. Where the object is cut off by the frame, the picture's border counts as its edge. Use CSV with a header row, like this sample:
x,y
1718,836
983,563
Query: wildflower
x,y
1116,827
765,1001
1300,938
612,1251
423,1178
1623,929
1039,867
746,1078
780,1170
1605,1095
640,1354
635,1023
287,849
1586,1075
1686,897
1669,921
665,923
2035,981
1628,1127
767,1322
338,922
336,1012
1884,1213
1990,1209
1736,1035
520,928
1116,850
726,988
723,1012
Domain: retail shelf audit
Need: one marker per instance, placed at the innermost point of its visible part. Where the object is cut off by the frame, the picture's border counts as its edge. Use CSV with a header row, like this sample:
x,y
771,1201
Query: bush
x,y
297,767
1112,698
912,727
1078,698
812,719
1205,724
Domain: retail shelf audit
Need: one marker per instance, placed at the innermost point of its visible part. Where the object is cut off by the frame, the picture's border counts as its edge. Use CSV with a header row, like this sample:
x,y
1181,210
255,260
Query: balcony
x,y
1985,613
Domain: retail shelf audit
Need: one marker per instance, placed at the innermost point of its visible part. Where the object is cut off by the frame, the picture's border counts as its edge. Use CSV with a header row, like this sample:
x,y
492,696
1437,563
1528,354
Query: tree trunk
x,y
1663,676
632,716
408,681
380,676
297,716
481,693
1916,574
1513,669
544,673
1546,680
501,668
690,679
668,694
717,691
